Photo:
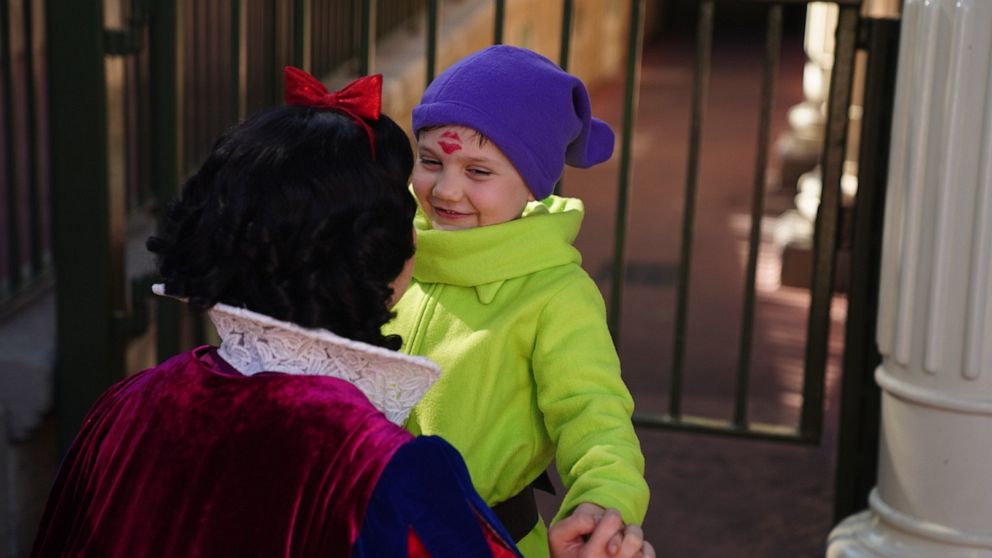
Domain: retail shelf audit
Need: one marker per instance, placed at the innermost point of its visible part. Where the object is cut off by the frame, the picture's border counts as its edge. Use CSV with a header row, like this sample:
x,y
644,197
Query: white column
x,y
934,492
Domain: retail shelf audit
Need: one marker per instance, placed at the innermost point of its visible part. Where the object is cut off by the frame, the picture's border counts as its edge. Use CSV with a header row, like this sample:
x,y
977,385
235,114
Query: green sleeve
x,y
586,406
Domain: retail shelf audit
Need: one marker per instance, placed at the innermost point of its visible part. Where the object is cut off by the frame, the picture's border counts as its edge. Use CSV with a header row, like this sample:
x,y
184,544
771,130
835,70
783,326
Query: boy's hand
x,y
586,534
597,512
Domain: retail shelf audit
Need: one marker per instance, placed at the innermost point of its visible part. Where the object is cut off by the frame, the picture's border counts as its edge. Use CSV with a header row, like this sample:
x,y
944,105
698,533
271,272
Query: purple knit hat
x,y
535,112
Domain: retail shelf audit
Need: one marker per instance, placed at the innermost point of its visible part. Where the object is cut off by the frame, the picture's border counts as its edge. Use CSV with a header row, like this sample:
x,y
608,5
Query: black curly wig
x,y
290,216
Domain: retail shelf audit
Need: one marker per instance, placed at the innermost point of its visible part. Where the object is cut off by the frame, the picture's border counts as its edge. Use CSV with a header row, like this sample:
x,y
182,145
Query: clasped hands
x,y
592,531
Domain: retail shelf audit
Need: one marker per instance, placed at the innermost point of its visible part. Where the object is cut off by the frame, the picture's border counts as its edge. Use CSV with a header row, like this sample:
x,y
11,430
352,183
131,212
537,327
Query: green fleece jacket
x,y
529,370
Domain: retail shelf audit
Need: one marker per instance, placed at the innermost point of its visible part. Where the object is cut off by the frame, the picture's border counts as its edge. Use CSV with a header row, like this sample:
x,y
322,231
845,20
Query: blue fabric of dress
x,y
426,487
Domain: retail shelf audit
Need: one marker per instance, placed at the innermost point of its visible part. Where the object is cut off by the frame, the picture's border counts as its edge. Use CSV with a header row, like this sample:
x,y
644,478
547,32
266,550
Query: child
x,y
499,300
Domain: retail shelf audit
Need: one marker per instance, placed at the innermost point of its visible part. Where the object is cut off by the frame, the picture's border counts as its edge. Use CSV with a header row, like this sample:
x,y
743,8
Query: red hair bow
x,y
361,99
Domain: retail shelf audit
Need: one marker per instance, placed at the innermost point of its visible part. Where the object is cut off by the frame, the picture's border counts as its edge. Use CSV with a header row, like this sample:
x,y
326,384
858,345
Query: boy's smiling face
x,y
462,182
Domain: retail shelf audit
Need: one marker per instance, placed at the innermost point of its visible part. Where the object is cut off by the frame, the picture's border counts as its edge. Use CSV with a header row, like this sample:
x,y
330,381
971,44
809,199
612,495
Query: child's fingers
x,y
610,525
648,550
613,547
587,508
633,541
572,527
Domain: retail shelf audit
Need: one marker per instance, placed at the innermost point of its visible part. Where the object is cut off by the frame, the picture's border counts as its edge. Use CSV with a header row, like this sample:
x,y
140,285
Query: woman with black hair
x,y
296,236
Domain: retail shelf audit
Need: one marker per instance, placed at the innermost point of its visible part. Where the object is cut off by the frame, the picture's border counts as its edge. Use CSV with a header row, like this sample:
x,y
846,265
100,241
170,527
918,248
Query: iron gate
x,y
153,82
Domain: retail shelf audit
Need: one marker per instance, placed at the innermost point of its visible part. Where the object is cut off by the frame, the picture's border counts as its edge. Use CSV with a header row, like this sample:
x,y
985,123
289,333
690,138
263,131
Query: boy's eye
x,y
479,172
428,162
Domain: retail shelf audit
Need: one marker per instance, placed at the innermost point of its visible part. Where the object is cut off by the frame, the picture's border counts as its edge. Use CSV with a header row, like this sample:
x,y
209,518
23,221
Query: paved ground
x,y
711,496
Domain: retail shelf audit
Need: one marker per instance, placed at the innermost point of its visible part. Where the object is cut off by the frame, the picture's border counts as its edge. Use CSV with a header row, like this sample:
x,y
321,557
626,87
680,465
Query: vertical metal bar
x,y
298,42
700,84
211,65
212,28
271,65
499,21
349,13
220,63
567,18
239,59
382,18
329,38
318,57
142,94
167,87
33,204
366,58
43,124
275,28
186,91
303,34
197,82
340,40
327,44
431,41
10,280
635,36
115,68
317,64
773,45
217,29
132,192
254,65
19,130
857,445
43,171
90,354
827,223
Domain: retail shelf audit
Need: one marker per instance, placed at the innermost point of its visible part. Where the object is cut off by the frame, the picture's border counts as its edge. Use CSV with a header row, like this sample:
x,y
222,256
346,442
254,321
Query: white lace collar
x,y
253,343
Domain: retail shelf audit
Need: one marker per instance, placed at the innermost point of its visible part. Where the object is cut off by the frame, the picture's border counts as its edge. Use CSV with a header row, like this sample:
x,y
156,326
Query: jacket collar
x,y
484,257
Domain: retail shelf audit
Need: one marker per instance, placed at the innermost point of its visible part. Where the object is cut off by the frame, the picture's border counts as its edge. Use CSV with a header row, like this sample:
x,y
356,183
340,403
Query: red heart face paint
x,y
450,147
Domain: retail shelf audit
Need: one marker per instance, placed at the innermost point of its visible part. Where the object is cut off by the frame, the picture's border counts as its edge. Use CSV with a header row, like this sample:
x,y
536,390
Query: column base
x,y
883,532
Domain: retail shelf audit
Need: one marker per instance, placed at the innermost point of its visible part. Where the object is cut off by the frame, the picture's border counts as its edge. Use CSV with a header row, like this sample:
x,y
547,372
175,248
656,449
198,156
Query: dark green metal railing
x,y
700,84
90,347
635,38
828,222
431,50
499,21
825,236
773,44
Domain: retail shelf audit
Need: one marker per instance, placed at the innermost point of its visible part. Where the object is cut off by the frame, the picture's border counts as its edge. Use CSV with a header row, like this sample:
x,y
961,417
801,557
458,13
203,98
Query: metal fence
x,y
825,237
229,60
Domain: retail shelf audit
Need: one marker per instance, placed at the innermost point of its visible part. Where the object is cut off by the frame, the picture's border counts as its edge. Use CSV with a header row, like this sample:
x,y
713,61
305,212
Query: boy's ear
x,y
530,197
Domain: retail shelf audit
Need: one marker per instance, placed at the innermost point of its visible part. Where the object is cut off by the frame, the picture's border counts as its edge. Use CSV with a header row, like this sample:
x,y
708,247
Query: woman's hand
x,y
588,534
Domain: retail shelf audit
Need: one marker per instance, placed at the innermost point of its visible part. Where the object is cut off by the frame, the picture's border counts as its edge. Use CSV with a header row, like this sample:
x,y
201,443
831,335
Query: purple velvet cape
x,y
191,458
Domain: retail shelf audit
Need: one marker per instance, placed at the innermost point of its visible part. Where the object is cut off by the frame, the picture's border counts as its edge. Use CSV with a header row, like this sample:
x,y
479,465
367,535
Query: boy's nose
x,y
446,189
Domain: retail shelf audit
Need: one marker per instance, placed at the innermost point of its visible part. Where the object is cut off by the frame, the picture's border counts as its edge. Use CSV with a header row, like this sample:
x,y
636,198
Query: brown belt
x,y
518,513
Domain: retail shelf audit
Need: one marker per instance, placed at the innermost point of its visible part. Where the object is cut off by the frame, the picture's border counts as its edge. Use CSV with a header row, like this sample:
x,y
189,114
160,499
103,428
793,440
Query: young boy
x,y
499,300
